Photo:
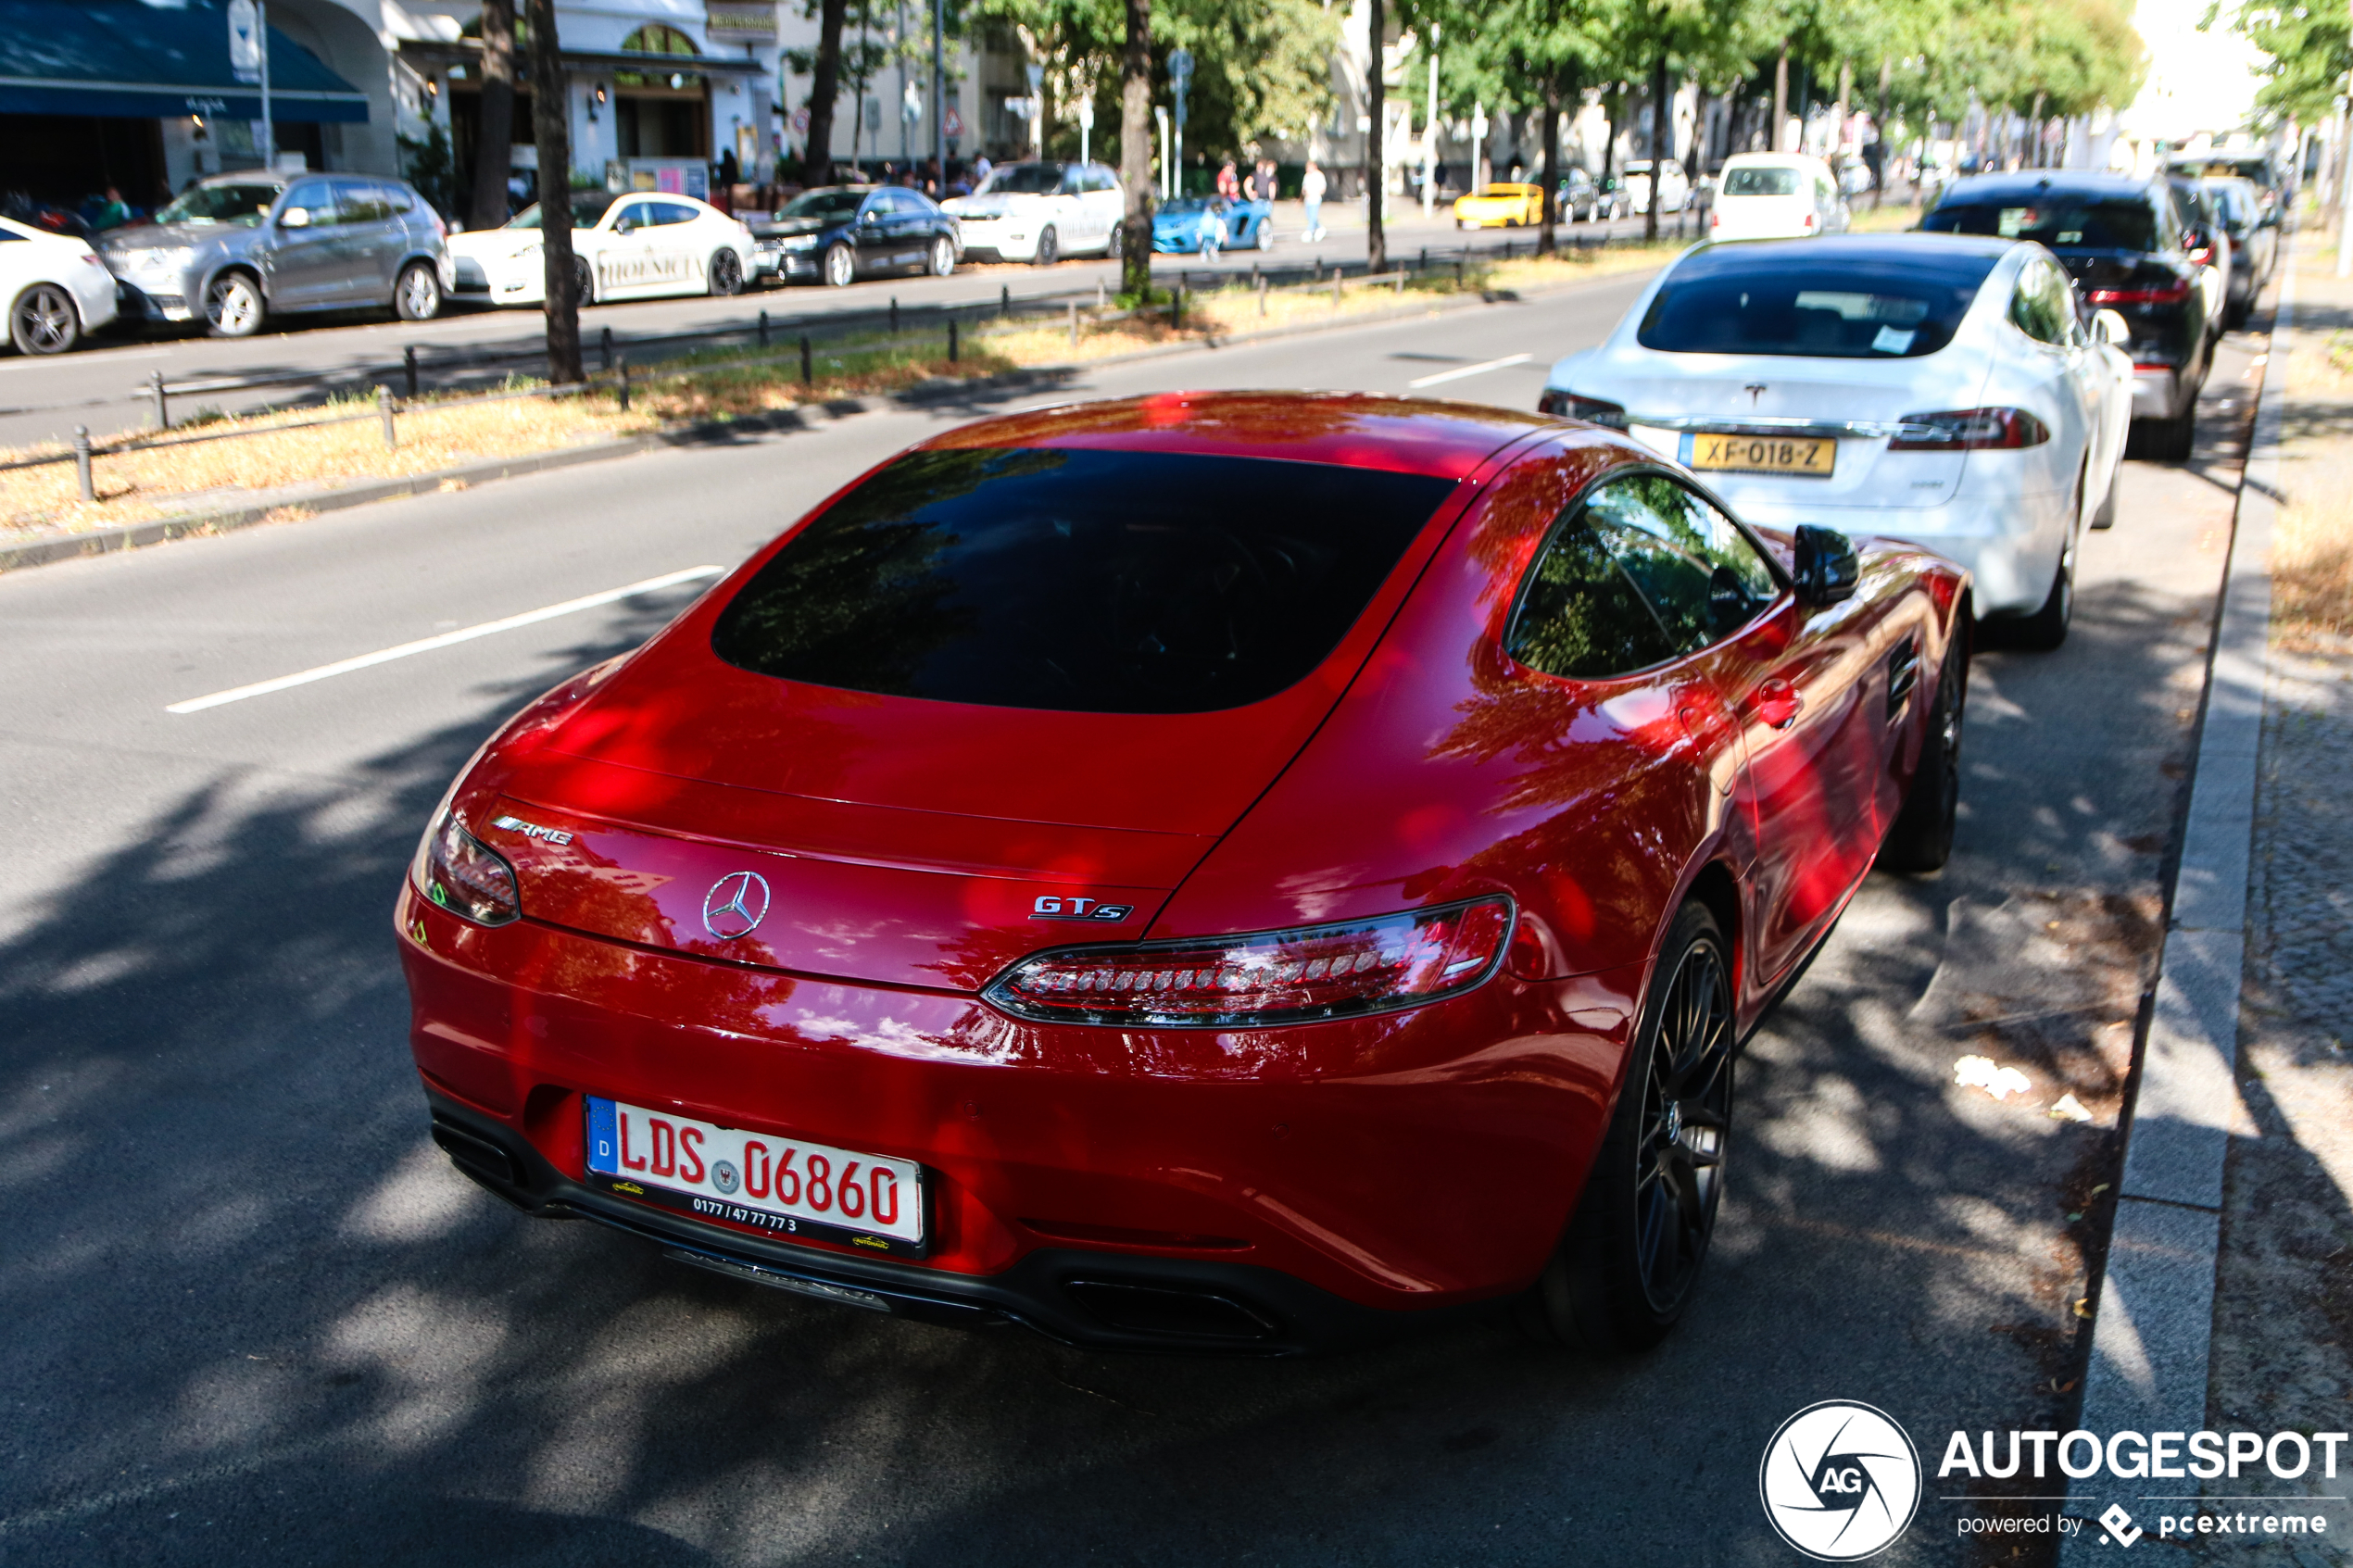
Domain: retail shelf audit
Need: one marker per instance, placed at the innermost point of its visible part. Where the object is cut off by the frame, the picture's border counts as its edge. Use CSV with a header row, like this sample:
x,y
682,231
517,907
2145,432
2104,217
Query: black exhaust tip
x,y
1171,1311
476,1156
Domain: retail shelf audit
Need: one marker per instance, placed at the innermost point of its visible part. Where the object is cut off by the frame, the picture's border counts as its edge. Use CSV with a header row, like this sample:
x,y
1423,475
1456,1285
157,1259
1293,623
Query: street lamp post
x,y
939,92
1162,115
1180,77
1429,132
1085,126
1037,108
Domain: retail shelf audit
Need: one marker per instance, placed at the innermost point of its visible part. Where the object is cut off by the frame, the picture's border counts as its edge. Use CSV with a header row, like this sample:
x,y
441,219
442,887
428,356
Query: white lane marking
x,y
1505,363
426,645
109,356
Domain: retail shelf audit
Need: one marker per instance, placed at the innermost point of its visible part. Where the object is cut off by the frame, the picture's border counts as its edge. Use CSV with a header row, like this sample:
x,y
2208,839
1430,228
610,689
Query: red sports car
x,y
1236,870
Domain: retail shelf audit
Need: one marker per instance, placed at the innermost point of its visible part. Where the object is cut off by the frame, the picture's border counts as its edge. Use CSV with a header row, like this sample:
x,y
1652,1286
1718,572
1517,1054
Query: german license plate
x,y
787,1186
1809,457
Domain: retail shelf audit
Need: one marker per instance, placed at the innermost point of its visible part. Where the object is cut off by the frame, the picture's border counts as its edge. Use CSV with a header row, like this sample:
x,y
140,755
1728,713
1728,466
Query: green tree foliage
x,y
2307,51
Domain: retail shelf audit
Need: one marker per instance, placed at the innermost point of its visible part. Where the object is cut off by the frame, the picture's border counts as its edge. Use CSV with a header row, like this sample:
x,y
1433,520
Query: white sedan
x,y
55,286
1774,197
1041,212
1922,386
634,245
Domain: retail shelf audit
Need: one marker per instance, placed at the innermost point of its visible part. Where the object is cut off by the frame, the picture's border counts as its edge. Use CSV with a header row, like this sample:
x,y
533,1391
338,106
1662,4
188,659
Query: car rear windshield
x,y
2059,222
1773,298
1760,183
1080,581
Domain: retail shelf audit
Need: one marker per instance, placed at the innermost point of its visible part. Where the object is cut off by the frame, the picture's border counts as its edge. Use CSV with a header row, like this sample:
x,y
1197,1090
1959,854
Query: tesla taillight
x,y
465,876
1810,221
1566,405
1296,977
1970,429
2173,294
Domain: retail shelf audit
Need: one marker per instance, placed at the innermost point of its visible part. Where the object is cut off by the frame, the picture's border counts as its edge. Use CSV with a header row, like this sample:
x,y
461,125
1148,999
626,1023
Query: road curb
x,y
158,531
2152,1336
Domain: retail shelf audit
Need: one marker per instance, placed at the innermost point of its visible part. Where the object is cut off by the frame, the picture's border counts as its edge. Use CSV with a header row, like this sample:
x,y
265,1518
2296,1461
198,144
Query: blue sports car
x,y
1209,224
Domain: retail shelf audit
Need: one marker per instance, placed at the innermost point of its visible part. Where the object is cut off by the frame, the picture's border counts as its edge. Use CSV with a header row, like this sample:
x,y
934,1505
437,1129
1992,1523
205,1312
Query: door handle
x,y
1778,703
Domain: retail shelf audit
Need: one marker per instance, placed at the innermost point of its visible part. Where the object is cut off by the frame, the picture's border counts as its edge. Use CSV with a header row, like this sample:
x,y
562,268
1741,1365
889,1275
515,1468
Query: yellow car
x,y
1501,206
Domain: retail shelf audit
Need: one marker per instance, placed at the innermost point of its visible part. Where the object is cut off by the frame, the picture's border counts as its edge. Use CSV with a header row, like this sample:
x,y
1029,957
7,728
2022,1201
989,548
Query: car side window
x,y
637,215
666,213
397,199
315,197
1641,573
360,202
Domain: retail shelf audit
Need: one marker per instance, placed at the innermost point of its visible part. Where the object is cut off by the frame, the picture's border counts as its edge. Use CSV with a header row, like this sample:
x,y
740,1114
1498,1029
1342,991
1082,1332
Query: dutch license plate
x,y
1809,457
787,1186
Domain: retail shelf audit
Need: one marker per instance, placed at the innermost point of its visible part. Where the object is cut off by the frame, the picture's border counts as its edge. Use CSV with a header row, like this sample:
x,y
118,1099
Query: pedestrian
x,y
981,168
1262,182
1229,185
1311,188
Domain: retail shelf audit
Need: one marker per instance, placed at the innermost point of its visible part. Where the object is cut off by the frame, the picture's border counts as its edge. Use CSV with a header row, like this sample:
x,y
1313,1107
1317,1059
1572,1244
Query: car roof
x,y
2063,181
1895,249
1782,160
1359,429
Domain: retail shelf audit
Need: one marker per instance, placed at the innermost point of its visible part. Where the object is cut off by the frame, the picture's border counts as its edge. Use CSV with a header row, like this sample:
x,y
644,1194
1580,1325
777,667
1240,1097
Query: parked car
x,y
1042,211
55,286
637,245
1674,186
2253,231
1374,938
839,233
2270,178
1206,225
237,248
1502,204
1584,199
2208,242
1773,196
1854,177
1936,389
2120,238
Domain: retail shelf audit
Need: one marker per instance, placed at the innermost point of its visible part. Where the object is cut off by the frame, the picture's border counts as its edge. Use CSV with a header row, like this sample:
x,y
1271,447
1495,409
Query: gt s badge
x,y
531,830
1078,908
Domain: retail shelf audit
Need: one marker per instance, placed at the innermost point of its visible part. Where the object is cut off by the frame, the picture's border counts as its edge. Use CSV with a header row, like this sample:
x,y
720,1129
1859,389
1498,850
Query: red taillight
x,y
1715,218
1297,976
2174,295
465,876
1810,221
1970,429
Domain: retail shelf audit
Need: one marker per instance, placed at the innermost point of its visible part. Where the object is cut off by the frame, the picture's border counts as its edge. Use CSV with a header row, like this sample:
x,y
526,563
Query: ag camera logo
x,y
1840,1481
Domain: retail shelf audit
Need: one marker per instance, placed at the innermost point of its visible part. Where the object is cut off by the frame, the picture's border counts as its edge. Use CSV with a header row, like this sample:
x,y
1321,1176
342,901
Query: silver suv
x,y
237,247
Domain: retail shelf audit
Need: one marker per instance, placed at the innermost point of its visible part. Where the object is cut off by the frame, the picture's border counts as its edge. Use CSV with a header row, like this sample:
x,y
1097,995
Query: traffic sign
x,y
1180,66
952,123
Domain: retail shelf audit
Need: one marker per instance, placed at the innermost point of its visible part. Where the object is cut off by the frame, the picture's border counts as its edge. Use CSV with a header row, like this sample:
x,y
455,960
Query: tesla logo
x,y
736,905
1078,908
1756,390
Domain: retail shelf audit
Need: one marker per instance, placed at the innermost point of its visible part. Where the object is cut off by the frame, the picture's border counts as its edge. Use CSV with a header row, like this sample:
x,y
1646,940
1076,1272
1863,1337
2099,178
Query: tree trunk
x,y
1616,99
1838,113
1662,142
824,88
550,99
494,142
1376,146
1780,101
1136,151
1545,244
1878,175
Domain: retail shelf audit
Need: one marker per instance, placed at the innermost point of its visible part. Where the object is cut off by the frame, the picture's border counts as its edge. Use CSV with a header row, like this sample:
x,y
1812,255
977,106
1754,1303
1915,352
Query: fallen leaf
x,y
2082,1306
2099,1189
2069,1110
1983,1073
2067,1386
2077,1215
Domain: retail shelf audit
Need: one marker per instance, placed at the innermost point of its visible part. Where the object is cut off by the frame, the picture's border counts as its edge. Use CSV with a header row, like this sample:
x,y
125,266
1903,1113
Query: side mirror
x,y
870,216
2109,326
626,226
295,217
1827,568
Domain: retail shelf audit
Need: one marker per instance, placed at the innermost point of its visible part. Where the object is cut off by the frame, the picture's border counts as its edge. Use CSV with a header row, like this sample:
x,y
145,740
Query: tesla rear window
x,y
1754,181
2062,223
1767,299
1081,580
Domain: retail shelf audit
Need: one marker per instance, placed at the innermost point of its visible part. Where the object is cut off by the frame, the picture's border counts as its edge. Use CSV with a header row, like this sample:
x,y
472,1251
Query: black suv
x,y
2121,239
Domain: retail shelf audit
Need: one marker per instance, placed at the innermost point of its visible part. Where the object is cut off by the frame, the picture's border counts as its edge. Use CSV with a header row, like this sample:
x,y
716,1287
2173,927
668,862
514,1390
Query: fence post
x,y
952,342
764,329
408,364
894,315
1262,297
1176,305
1253,274
1336,275
1458,271
81,462
1005,299
1425,266
621,363
163,413
383,412
605,344
1399,282
1074,324
1102,297
1318,275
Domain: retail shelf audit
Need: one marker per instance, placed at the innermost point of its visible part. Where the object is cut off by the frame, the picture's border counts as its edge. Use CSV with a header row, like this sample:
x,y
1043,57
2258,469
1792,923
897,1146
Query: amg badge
x,y
531,830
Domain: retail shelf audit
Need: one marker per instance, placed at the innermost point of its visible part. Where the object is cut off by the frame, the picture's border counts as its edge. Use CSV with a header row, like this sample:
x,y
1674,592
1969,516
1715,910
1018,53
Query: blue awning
x,y
135,59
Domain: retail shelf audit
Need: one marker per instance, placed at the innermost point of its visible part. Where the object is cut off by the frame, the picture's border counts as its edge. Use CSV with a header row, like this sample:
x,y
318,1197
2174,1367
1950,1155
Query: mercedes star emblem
x,y
736,905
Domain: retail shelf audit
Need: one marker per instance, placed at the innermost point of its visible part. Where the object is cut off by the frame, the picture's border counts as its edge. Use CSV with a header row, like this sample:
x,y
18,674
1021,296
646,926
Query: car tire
x,y
233,306
1265,240
2045,629
44,319
2105,516
1920,839
1049,248
583,281
841,267
1629,1263
724,272
417,295
943,255
2171,441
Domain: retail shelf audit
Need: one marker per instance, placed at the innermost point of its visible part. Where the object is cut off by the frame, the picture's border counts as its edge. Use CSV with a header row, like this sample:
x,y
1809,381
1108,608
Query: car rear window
x,y
1771,299
1081,580
2060,222
1761,183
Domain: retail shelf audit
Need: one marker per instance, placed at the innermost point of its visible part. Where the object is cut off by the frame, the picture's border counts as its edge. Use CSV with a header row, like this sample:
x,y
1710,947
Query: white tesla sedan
x,y
634,245
1922,386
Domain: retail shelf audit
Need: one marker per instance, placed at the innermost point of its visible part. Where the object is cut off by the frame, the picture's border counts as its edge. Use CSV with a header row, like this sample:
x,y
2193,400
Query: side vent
x,y
1903,674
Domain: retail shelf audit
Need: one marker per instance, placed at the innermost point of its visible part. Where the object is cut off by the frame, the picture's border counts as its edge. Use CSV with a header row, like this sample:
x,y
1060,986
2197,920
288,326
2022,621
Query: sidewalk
x,y
2284,1295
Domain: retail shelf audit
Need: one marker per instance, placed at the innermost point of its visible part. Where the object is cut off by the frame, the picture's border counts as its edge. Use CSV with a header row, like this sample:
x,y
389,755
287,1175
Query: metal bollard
x,y
1424,267
1005,300
894,315
383,413
1458,271
806,375
1074,324
1102,297
764,329
1318,275
621,363
163,412
1397,283
605,347
81,462
408,364
1336,276
1176,305
951,340
1262,297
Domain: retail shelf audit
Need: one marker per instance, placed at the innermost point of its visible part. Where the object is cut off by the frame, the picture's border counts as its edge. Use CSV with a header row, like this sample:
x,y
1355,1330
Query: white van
x,y
1775,196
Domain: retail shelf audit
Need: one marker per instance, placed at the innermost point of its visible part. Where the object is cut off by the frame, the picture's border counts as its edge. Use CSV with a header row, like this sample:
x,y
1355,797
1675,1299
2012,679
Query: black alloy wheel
x,y
1630,1265
725,271
584,281
1920,839
44,321
1049,248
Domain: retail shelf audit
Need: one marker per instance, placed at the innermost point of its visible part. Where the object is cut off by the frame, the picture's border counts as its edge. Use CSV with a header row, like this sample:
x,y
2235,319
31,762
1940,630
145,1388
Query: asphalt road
x,y
103,386
253,1317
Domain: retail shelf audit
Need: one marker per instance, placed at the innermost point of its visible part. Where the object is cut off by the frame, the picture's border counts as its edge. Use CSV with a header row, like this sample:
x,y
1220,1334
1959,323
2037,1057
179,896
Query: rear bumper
x,y
2156,391
1340,1181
